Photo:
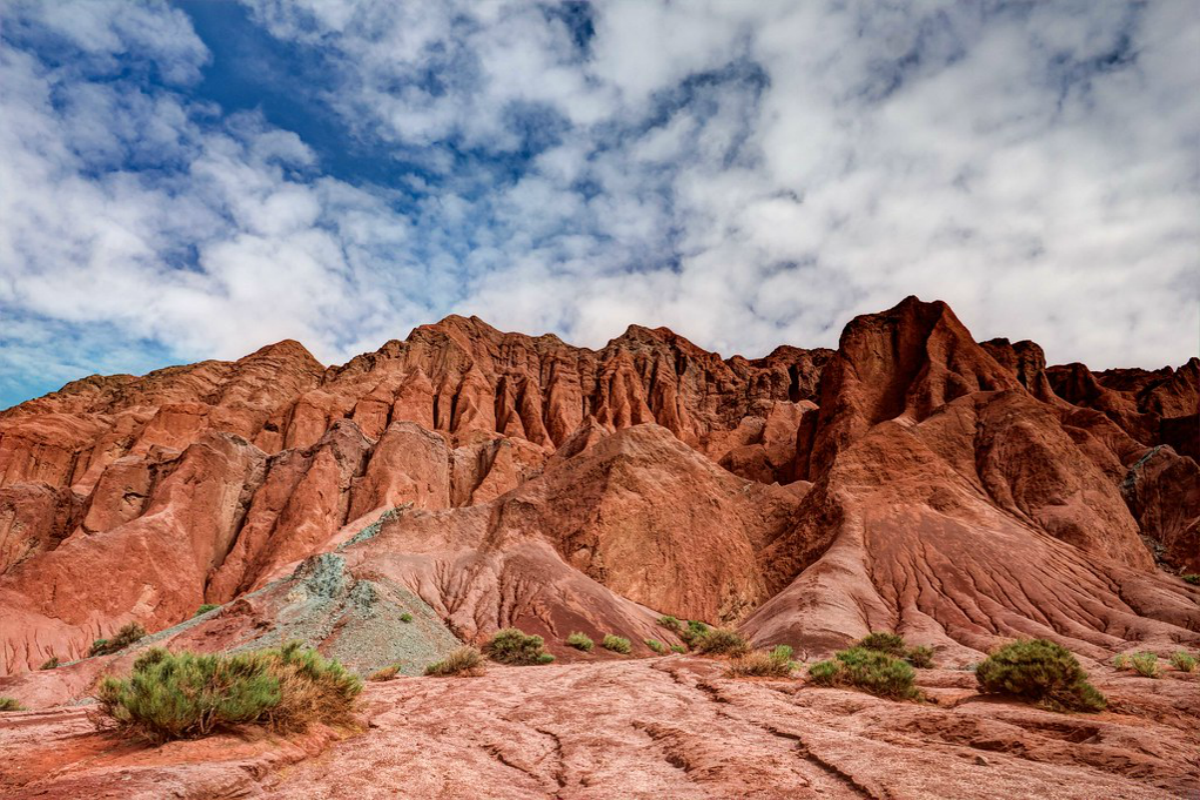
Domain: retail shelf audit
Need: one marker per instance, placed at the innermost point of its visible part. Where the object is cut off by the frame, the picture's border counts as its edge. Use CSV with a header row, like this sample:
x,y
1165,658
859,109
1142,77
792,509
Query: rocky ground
x,y
649,728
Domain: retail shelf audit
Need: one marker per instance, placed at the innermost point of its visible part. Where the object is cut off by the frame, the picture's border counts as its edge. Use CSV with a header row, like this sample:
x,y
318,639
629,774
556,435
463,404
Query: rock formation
x,y
913,480
463,480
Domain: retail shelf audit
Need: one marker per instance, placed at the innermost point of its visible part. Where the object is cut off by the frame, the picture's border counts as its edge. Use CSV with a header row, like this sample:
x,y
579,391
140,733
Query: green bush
x,y
678,648
545,658
617,644
406,617
893,644
514,646
1194,580
881,642
187,695
670,623
1145,664
580,641
126,636
656,646
1120,661
50,663
10,704
722,641
465,661
869,670
1183,661
776,664
1041,671
693,633
204,609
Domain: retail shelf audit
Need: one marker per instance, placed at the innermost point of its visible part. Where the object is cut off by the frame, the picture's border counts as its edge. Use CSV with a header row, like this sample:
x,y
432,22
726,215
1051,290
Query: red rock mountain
x,y
912,480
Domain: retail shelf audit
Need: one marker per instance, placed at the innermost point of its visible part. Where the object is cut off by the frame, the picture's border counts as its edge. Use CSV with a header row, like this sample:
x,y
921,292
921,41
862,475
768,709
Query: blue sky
x,y
192,180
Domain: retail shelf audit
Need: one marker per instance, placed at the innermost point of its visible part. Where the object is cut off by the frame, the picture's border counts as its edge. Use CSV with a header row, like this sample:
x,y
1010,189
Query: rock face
x,y
912,480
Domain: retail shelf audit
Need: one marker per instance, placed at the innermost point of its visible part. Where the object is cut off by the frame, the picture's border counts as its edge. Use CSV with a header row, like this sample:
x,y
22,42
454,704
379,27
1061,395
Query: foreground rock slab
x,y
666,727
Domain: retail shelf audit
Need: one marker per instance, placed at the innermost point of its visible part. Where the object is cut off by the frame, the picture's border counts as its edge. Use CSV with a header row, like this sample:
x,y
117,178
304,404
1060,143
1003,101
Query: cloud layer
x,y
748,174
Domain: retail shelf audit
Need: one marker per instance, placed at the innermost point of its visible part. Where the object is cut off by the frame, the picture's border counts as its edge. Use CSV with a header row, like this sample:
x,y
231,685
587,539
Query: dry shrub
x,y
464,662
722,642
386,674
775,664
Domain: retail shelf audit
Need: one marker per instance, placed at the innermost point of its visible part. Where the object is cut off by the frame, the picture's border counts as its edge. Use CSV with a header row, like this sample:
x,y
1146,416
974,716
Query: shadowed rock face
x,y
912,480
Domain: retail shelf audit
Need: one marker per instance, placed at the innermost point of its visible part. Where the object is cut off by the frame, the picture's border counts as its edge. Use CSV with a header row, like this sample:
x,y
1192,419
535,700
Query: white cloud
x,y
745,173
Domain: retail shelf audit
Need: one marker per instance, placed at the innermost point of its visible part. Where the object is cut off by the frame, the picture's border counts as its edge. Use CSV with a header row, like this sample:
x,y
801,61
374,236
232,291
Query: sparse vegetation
x,y
869,670
406,617
9,704
656,646
580,641
514,646
1193,579
882,642
920,656
775,664
204,609
1120,661
678,648
722,642
465,661
50,663
893,644
617,644
670,623
128,635
1145,664
1040,671
693,633
188,695
386,674
1183,661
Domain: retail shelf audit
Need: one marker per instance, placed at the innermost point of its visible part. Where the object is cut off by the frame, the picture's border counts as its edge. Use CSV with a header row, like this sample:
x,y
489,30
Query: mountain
x,y
913,480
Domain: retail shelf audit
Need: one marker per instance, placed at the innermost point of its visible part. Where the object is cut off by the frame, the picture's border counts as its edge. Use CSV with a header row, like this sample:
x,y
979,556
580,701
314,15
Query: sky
x,y
192,180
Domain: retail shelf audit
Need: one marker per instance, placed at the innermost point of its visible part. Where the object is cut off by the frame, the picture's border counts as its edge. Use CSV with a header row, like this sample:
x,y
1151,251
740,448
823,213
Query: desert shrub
x,y
149,658
1183,661
1194,580
545,658
513,646
9,704
188,695
406,617
869,670
50,663
126,636
678,648
385,674
204,609
580,641
920,656
694,631
617,644
722,641
775,664
670,623
1120,661
1041,671
1145,664
881,642
656,645
893,644
463,661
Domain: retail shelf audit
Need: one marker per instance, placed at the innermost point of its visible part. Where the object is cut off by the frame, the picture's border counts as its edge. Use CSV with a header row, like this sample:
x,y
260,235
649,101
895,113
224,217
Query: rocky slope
x,y
914,480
